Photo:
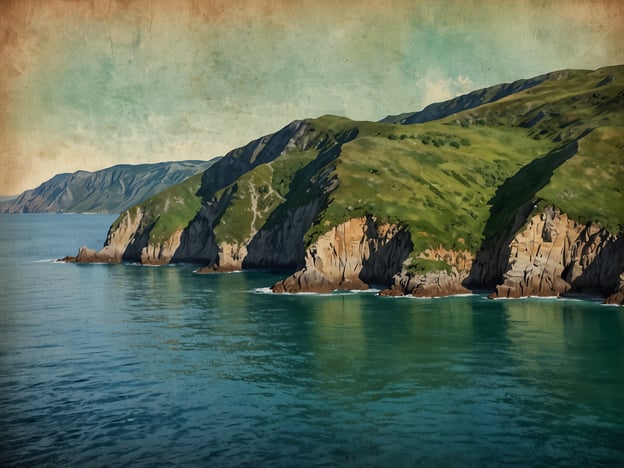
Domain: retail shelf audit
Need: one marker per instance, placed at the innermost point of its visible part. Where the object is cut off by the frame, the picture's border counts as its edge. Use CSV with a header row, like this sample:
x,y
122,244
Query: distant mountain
x,y
516,189
111,190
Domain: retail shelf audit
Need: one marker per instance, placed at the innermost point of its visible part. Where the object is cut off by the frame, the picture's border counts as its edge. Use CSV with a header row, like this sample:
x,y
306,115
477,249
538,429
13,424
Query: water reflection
x,y
568,348
338,340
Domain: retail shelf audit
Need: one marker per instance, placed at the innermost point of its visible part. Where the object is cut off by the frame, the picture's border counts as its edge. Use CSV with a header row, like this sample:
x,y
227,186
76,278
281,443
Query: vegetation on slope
x,y
458,182
588,108
439,191
590,186
168,211
257,194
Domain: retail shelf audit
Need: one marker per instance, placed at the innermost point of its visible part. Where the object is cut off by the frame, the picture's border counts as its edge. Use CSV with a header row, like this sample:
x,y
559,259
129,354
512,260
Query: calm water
x,y
126,365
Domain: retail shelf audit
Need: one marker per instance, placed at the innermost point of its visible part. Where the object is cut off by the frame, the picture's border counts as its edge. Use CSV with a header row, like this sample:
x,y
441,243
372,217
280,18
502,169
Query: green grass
x,y
168,211
268,184
176,209
567,107
474,179
589,187
441,193
424,265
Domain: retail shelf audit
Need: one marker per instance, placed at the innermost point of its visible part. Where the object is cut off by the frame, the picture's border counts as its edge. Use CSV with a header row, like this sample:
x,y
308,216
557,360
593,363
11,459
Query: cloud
x,y
438,89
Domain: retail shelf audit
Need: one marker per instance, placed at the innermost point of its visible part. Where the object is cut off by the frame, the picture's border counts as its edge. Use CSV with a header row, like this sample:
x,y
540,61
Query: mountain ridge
x,y
440,110
110,190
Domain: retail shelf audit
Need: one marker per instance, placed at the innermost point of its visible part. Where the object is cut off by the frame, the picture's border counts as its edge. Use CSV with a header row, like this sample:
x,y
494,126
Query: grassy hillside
x,y
590,185
169,210
457,182
437,180
256,194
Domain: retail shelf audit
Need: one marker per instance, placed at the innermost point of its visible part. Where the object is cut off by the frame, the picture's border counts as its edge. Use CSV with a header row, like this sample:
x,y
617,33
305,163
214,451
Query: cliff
x,y
554,255
518,194
354,255
434,273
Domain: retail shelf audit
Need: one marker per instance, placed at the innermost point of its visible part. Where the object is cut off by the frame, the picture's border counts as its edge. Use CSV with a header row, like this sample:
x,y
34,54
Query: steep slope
x,y
582,177
476,200
220,213
440,110
110,190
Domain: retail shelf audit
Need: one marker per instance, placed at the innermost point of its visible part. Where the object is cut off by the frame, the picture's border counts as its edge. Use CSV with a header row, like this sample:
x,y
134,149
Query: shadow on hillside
x,y
601,276
382,264
511,205
280,241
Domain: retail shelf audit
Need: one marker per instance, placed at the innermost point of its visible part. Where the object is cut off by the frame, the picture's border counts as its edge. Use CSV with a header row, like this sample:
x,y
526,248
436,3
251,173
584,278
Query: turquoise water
x,y
126,365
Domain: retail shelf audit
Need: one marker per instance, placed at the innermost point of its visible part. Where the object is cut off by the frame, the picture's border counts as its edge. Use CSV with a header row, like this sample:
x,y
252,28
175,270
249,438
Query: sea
x,y
128,365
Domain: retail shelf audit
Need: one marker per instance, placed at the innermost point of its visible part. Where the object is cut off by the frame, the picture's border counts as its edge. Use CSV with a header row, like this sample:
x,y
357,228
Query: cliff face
x,y
427,209
617,297
353,255
551,256
554,255
117,241
161,253
278,246
279,214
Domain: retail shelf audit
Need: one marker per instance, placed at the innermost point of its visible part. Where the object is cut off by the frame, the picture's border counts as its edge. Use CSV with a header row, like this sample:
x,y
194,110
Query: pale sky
x,y
90,84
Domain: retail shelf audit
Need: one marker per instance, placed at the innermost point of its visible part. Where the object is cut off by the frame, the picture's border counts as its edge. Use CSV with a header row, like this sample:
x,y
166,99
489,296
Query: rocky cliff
x,y
554,255
354,255
617,297
120,235
417,280
246,211
519,193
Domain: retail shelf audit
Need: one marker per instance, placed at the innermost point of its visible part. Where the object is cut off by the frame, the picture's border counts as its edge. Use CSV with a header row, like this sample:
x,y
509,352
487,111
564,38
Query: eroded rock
x,y
554,255
353,255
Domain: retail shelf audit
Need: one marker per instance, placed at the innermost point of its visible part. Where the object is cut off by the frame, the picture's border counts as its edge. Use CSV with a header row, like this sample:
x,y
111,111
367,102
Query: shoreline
x,y
376,291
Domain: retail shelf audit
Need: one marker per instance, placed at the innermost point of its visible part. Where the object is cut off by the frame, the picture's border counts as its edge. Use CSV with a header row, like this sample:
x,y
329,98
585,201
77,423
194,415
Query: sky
x,y
87,84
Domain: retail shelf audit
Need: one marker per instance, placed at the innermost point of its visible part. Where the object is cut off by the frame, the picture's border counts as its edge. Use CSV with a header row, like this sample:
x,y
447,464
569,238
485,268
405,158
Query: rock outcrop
x,y
161,253
119,237
550,256
617,298
431,284
350,256
554,255
434,283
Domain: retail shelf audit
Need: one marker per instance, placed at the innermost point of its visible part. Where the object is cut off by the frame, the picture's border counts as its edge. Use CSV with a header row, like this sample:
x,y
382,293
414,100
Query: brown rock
x,y
553,255
348,257
208,269
431,284
305,280
617,298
